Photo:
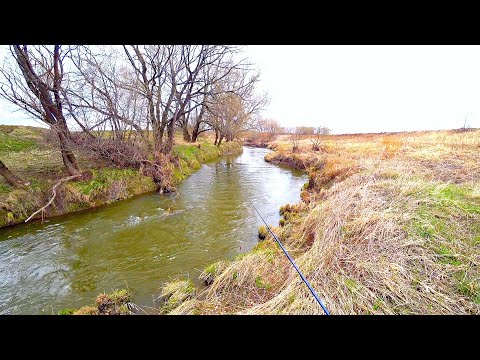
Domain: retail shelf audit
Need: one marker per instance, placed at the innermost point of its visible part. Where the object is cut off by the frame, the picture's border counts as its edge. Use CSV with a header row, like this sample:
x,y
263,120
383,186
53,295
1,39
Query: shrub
x,y
262,232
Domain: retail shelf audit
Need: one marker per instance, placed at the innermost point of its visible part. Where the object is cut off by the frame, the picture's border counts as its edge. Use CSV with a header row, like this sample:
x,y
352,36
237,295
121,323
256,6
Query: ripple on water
x,y
144,241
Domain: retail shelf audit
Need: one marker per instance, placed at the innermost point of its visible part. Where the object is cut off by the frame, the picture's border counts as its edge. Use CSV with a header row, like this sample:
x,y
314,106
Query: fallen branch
x,y
54,192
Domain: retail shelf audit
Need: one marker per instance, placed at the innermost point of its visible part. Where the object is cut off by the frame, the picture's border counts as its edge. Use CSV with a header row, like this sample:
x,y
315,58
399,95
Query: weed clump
x,y
87,310
175,293
112,304
262,232
108,304
66,311
209,274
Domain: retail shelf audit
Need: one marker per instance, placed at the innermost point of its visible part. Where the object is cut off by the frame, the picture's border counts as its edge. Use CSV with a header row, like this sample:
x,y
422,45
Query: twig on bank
x,y
54,192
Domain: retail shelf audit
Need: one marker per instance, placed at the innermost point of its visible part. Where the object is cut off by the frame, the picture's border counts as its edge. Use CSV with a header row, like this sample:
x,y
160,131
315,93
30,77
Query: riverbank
x,y
28,152
389,224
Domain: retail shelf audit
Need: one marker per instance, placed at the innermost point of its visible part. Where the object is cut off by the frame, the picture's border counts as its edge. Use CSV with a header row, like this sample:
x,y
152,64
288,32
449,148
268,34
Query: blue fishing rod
x,y
292,262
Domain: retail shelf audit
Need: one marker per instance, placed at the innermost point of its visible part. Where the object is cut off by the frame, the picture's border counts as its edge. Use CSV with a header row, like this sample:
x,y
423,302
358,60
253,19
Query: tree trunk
x,y
220,140
158,130
198,122
11,178
195,133
53,112
168,146
68,157
216,137
186,135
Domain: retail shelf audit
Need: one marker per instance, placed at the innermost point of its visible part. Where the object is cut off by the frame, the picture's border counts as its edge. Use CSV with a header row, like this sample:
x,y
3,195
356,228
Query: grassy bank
x,y
29,153
389,224
191,156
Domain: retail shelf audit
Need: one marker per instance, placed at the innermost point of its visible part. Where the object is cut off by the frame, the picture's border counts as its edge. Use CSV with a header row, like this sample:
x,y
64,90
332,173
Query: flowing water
x,y
144,241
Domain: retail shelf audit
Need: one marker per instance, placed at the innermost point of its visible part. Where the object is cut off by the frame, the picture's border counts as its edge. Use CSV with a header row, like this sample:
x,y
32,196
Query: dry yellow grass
x,y
390,225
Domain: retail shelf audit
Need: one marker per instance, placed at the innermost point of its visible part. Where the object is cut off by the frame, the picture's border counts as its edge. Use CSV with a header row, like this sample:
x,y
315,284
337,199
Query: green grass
x,y
176,292
102,179
5,188
130,182
377,304
240,256
267,248
212,269
351,284
204,152
66,312
191,156
455,196
476,239
262,284
447,219
447,257
19,138
18,204
210,272
186,152
440,204
467,286
291,298
120,296
13,143
113,303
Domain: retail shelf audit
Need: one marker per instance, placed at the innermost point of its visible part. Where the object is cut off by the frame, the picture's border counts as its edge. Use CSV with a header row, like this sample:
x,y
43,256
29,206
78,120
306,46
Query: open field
x,y
390,224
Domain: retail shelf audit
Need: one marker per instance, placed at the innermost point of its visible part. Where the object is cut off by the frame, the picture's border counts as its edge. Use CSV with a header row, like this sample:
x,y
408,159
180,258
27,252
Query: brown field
x,y
389,224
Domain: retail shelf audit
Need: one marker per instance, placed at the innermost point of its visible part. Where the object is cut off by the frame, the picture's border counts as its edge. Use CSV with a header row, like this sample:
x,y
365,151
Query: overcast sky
x,y
371,88
360,88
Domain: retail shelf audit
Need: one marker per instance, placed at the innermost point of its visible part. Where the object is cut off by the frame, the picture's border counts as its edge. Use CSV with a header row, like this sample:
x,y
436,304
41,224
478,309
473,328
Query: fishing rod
x,y
291,261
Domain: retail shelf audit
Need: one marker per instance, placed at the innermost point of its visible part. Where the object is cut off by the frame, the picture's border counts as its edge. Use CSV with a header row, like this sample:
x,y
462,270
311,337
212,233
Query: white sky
x,y
359,88
371,88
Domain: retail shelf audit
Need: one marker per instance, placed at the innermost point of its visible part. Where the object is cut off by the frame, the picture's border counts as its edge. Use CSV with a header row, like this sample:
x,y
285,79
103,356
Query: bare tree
x,y
295,137
466,126
37,90
235,105
193,83
156,69
99,98
305,130
230,116
317,139
199,123
115,95
270,127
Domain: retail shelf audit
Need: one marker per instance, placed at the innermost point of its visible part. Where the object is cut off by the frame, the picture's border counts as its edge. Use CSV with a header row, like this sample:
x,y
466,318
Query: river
x,y
142,242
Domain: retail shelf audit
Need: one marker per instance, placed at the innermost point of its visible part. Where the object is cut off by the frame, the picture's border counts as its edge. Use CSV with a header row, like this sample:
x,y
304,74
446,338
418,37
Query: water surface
x,y
142,242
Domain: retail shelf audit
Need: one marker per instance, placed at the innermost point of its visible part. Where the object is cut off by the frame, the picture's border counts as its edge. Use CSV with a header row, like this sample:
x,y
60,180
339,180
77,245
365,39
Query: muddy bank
x,y
290,161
